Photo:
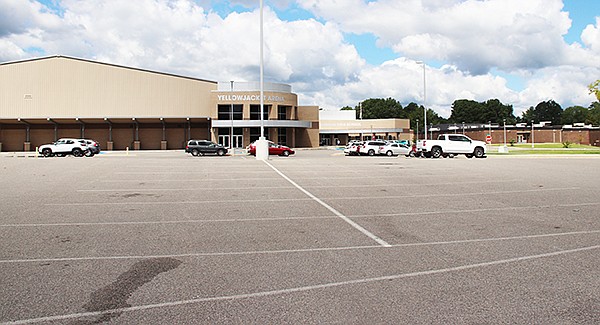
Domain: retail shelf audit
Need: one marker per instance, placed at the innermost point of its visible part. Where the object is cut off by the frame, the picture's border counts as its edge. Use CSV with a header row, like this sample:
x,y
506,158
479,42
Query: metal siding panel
x,y
64,87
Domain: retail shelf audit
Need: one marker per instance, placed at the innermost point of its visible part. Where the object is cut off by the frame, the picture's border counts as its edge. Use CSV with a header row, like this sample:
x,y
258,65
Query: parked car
x,y
371,148
274,149
352,148
93,148
63,147
202,147
395,149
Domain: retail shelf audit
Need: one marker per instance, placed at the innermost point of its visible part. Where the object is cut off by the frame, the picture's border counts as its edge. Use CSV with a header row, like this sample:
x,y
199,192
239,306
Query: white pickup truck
x,y
451,144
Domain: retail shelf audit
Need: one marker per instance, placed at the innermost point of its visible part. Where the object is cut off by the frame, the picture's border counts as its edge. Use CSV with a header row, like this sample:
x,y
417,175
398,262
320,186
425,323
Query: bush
x,y
566,144
512,142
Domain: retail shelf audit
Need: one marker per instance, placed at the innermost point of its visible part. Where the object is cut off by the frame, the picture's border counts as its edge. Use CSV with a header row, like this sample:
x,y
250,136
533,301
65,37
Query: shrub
x,y
566,144
512,142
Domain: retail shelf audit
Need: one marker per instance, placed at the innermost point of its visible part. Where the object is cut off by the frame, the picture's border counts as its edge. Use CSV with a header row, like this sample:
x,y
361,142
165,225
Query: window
x,y
282,112
255,112
457,138
282,136
255,133
224,112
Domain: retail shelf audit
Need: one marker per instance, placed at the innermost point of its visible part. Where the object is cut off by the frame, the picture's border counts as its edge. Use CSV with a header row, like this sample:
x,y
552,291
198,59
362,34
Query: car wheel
x,y
220,152
436,152
469,155
195,152
285,153
46,152
478,152
77,152
371,152
88,153
389,153
410,154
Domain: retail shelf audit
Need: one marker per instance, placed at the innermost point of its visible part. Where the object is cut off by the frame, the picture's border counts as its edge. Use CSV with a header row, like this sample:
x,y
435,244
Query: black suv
x,y
202,147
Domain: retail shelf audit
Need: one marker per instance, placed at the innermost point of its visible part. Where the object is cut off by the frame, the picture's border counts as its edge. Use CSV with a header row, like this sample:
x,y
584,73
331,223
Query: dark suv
x,y
202,147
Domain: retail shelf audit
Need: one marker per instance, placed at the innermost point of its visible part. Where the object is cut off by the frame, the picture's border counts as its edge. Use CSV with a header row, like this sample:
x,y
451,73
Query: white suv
x,y
371,148
62,147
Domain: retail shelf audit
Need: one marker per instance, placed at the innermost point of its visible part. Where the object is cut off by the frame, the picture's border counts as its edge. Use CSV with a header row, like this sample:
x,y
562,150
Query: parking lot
x,y
318,237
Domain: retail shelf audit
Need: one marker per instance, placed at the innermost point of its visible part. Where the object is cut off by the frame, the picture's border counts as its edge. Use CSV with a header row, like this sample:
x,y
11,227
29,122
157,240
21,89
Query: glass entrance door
x,y
224,140
238,141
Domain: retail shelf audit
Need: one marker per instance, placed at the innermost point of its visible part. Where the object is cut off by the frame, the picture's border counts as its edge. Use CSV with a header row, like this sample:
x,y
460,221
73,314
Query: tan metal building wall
x,y
68,87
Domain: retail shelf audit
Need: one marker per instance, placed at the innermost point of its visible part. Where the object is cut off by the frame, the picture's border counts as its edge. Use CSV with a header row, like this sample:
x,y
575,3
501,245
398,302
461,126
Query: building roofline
x,y
104,63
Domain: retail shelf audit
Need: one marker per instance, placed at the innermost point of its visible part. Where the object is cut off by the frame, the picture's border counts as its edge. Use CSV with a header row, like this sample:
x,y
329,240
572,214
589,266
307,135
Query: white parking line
x,y
334,211
187,180
190,172
462,194
296,251
437,195
283,187
464,267
195,189
384,215
173,202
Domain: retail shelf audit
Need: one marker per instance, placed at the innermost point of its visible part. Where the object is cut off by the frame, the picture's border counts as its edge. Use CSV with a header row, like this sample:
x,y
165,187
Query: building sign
x,y
252,98
340,124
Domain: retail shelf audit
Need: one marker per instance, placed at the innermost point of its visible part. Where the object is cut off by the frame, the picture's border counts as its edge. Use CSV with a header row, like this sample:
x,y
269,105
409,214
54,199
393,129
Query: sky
x,y
334,53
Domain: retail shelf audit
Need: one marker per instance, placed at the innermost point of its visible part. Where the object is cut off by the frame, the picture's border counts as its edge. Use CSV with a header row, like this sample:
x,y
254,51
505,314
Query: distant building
x,y
121,107
344,126
542,132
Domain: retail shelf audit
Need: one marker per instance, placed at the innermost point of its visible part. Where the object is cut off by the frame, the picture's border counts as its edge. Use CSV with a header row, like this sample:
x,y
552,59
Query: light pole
x,y
424,98
231,136
463,123
490,131
360,110
532,136
504,132
430,131
262,145
417,130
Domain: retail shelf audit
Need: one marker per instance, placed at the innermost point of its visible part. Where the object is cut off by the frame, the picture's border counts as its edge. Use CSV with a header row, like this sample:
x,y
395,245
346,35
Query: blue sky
x,y
582,13
333,53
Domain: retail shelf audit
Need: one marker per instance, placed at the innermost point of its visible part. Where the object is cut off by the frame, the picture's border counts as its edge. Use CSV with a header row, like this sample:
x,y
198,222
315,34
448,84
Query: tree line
x,y
470,111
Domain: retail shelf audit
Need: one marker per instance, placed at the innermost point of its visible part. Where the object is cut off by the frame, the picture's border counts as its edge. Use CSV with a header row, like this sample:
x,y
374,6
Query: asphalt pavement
x,y
314,238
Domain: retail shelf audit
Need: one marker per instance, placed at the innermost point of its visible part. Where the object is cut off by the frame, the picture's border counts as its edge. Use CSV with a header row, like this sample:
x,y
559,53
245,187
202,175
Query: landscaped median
x,y
544,149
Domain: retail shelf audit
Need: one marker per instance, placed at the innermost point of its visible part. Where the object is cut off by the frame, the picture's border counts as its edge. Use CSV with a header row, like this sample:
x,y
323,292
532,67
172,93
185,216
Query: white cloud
x,y
567,85
591,36
521,38
473,35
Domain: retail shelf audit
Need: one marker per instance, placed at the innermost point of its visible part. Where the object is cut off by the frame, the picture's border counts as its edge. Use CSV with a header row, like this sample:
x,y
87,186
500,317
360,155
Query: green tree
x,y
574,114
378,108
465,110
496,112
594,88
470,111
346,108
544,111
594,114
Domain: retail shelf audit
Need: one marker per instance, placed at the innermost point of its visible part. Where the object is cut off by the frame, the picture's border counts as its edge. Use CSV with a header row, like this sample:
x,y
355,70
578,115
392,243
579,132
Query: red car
x,y
274,149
